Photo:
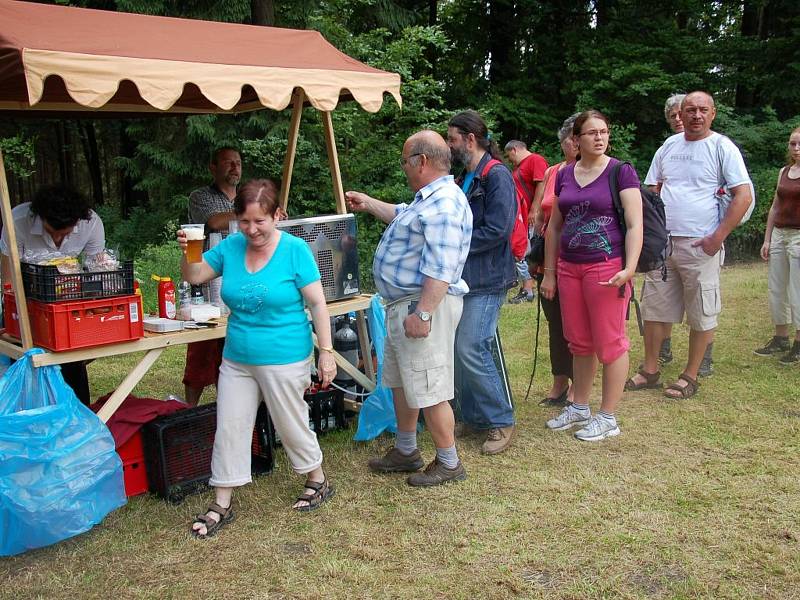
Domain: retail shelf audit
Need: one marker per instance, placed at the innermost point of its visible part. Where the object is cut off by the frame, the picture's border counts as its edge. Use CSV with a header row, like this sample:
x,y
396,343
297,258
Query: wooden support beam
x,y
16,273
291,147
127,385
344,365
333,161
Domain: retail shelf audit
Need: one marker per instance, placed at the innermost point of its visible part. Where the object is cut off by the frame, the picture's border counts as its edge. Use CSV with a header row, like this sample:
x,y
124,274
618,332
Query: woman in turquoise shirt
x,y
268,278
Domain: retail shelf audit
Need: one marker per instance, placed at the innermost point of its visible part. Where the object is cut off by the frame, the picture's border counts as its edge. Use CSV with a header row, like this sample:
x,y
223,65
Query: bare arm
x,y
194,273
738,206
314,298
770,221
360,202
631,200
219,221
551,240
433,290
536,216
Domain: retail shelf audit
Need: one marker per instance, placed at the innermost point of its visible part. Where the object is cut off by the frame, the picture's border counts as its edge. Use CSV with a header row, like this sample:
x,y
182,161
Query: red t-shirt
x,y
531,170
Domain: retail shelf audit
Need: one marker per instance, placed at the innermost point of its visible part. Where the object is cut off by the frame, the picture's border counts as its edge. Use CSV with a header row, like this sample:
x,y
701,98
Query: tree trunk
x,y
262,12
745,94
90,152
502,25
131,197
65,166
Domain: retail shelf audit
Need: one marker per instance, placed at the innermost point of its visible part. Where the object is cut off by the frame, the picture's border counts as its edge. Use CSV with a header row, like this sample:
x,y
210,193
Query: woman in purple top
x,y
584,248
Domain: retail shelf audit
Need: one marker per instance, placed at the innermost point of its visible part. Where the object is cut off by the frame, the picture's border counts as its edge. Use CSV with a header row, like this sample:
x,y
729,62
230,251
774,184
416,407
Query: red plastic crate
x,y
79,324
133,465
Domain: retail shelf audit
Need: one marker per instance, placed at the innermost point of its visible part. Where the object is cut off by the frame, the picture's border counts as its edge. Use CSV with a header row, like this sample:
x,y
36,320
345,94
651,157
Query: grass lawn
x,y
697,498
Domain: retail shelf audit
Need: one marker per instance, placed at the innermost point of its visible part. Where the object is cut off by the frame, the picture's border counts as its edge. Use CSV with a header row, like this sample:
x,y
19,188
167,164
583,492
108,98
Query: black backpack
x,y
655,236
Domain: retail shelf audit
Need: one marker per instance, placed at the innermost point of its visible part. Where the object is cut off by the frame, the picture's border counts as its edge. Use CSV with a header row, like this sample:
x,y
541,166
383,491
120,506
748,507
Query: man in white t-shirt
x,y
689,168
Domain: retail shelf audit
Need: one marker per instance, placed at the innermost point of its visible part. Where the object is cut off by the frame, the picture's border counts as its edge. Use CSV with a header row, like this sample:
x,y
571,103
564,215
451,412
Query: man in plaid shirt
x,y
213,206
417,269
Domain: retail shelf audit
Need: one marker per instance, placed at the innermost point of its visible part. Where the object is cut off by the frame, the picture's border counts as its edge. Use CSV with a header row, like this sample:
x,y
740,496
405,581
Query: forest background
x,y
525,65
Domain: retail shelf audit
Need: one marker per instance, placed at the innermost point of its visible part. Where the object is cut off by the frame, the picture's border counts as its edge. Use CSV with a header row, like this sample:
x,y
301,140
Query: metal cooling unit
x,y
333,242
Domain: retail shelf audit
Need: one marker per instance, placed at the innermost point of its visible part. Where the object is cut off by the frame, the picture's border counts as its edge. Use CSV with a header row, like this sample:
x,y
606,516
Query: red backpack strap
x,y
488,167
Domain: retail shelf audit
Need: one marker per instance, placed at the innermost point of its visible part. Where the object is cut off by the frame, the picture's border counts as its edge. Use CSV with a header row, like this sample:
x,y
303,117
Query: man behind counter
x,y
57,220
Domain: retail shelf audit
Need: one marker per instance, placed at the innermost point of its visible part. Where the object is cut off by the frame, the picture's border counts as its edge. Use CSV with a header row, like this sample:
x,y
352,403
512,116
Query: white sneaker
x,y
598,428
568,418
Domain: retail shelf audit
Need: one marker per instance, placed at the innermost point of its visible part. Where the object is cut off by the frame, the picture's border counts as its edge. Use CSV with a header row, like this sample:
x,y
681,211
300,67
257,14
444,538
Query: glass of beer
x,y
194,241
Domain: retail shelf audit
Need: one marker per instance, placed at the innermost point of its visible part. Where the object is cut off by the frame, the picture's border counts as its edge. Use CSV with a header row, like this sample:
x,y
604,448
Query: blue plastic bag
x,y
377,412
59,472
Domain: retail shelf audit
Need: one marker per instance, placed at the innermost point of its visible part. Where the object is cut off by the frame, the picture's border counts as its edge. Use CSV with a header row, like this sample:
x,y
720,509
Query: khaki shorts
x,y
422,367
692,287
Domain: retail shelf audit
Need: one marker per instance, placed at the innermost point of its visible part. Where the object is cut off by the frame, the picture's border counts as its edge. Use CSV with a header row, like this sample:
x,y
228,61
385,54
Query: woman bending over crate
x,y
268,277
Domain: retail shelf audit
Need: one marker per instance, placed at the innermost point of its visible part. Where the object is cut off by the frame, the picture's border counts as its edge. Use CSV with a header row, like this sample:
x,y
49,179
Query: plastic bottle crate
x,y
46,284
178,450
325,411
133,465
80,324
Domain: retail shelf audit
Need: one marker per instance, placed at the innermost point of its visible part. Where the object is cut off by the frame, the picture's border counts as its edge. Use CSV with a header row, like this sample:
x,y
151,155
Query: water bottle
x,y
184,294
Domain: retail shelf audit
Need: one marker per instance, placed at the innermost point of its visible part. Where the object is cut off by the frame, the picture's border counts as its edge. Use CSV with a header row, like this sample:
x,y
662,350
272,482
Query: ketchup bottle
x,y
166,297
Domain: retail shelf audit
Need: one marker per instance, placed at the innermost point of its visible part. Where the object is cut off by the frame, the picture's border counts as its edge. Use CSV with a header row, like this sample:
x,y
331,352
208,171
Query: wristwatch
x,y
423,315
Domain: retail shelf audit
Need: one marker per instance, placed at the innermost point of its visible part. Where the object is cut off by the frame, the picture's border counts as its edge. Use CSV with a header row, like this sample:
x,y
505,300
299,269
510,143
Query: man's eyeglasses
x,y
596,132
404,161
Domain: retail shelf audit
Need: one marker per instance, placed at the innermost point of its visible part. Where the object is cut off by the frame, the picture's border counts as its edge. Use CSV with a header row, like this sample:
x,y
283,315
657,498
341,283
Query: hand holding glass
x,y
194,241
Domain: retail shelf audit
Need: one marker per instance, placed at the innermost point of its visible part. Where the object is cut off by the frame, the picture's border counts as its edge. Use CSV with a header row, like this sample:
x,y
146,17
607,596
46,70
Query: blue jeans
x,y
482,399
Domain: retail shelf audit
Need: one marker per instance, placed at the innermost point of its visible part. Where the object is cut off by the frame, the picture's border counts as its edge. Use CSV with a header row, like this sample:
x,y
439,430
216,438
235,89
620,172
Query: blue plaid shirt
x,y
429,237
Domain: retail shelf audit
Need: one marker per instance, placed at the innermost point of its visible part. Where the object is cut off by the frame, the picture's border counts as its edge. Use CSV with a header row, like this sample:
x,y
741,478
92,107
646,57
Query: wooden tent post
x,y
291,148
16,272
333,161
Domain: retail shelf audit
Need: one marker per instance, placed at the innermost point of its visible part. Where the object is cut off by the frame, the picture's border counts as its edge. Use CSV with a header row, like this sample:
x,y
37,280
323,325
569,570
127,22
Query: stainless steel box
x,y
333,242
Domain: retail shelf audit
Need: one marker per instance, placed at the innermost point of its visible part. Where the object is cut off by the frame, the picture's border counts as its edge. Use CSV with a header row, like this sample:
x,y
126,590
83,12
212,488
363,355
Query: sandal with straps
x,y
684,391
226,515
651,381
322,492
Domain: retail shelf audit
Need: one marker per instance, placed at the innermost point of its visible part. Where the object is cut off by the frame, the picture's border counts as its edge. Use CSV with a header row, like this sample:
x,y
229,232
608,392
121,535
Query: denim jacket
x,y
490,266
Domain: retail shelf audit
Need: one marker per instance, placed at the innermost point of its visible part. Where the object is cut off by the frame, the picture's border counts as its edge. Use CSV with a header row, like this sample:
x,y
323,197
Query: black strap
x,y
536,342
617,203
526,190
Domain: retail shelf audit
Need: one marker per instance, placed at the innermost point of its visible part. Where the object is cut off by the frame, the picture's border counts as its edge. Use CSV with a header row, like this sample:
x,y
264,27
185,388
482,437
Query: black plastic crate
x,y
325,412
177,449
46,284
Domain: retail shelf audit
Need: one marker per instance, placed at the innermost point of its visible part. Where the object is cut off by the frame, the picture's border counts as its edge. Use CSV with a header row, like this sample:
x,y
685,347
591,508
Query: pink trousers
x,y
593,314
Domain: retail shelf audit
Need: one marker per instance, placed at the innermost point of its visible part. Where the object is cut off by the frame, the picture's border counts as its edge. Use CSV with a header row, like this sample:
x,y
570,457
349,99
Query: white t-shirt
x,y
690,176
88,237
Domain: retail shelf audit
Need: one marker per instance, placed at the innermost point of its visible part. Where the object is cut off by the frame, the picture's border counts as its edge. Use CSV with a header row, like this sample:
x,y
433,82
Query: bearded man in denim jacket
x,y
489,272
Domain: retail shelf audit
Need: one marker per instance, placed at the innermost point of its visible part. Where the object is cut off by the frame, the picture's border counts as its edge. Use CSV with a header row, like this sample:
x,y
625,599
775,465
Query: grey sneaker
x,y
776,345
792,356
436,474
598,428
568,418
395,461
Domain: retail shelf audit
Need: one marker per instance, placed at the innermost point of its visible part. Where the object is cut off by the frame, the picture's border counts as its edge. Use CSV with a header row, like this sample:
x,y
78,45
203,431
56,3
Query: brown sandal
x,y
322,492
651,381
226,515
684,391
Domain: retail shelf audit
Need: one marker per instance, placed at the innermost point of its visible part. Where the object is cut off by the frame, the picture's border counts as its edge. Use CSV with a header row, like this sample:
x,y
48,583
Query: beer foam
x,y
193,233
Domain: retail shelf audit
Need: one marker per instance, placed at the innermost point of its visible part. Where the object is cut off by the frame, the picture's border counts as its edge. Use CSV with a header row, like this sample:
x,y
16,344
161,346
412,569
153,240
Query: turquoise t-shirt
x,y
268,324
467,181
